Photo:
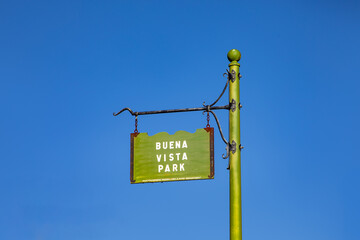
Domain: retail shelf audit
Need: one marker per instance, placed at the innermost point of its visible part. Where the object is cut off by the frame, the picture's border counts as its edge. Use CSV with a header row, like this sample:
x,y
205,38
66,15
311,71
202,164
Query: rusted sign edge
x,y
132,136
212,162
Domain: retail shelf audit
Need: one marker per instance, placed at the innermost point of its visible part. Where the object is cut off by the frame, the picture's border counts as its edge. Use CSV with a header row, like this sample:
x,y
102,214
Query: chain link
x,y
136,124
208,120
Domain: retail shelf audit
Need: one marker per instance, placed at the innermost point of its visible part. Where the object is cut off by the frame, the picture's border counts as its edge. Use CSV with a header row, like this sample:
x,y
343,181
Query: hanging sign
x,y
164,157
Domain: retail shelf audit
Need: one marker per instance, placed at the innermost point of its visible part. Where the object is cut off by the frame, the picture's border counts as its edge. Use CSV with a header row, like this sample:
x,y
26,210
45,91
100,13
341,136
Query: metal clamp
x,y
231,75
230,147
233,105
233,147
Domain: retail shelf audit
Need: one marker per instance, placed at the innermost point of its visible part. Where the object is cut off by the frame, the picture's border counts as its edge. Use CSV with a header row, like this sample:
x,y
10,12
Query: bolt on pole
x,y
234,137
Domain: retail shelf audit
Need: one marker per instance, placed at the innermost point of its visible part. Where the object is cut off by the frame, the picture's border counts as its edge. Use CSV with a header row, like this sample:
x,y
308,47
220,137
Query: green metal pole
x,y
234,140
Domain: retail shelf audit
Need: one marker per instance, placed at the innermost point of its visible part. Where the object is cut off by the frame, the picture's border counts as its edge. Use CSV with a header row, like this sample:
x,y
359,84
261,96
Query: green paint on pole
x,y
235,158
164,157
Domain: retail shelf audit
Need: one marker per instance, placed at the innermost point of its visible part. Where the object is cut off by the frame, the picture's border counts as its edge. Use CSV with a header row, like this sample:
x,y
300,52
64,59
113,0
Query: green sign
x,y
164,157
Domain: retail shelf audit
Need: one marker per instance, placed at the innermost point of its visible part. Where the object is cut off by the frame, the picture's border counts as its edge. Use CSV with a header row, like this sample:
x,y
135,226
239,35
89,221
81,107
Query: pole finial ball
x,y
234,55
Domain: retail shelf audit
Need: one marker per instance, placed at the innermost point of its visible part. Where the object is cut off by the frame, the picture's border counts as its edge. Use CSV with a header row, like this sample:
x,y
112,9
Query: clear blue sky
x,y
66,66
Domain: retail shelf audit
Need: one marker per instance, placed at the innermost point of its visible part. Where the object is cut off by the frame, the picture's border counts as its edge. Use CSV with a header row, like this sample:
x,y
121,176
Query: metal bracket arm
x,y
227,107
206,108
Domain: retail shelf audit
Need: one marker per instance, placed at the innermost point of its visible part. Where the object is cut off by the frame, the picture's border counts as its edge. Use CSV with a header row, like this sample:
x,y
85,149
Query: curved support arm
x,y
220,130
128,109
227,153
222,93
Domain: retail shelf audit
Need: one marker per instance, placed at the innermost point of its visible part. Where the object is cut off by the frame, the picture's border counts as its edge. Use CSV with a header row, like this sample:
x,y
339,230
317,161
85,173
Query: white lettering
x,y
181,167
184,156
160,167
167,168
158,156
171,156
171,145
164,157
174,167
177,155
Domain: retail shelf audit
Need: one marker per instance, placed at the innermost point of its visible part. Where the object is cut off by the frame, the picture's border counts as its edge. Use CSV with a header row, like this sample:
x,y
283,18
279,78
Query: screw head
x,y
234,55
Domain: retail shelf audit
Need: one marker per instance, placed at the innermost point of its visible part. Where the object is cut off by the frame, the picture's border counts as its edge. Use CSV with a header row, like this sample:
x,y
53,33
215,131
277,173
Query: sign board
x,y
164,157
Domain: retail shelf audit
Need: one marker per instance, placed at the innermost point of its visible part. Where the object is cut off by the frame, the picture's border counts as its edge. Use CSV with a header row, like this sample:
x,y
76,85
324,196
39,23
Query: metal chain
x,y
208,120
136,124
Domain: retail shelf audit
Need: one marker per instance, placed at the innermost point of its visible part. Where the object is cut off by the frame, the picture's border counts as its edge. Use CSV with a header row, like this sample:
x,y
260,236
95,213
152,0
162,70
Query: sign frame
x,y
209,130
